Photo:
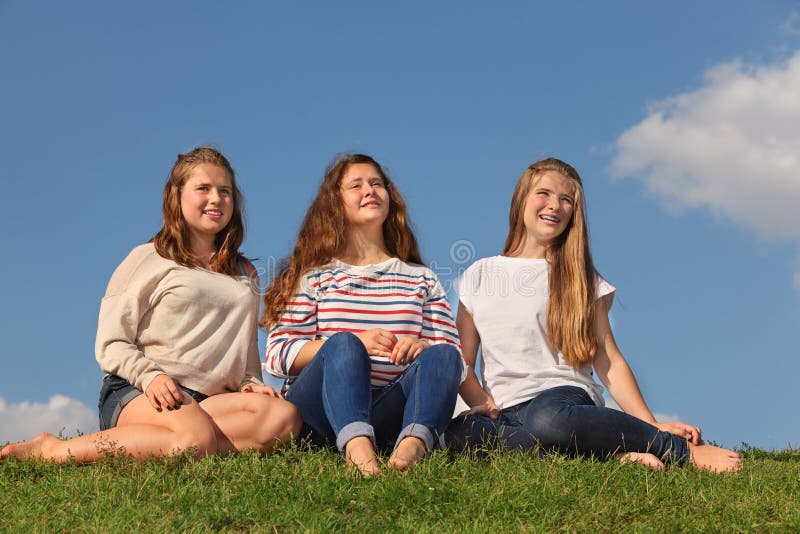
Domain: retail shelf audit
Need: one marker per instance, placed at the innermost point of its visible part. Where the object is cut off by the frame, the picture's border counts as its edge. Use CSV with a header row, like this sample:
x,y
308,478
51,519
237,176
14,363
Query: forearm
x,y
471,390
622,386
305,355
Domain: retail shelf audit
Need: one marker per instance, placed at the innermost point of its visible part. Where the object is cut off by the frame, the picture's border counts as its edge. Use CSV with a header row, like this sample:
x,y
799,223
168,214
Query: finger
x,y
388,338
153,400
173,397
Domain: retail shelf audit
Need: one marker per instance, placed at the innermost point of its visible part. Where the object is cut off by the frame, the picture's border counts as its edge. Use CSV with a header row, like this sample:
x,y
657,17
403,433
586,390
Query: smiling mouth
x,y
213,213
370,205
550,218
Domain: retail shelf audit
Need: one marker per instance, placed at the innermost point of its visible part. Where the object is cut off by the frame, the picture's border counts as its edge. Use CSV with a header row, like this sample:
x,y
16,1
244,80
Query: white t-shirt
x,y
507,298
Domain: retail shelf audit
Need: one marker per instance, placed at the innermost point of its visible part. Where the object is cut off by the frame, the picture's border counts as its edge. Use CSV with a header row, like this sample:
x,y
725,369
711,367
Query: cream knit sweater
x,y
197,326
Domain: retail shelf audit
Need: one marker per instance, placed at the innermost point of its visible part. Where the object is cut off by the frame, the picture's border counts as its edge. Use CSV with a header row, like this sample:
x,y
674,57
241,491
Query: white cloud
x,y
660,417
60,414
791,25
732,146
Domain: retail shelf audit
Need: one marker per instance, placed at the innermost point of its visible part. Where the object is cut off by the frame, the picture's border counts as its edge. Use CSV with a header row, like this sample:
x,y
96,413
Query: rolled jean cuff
x,y
678,452
353,430
418,431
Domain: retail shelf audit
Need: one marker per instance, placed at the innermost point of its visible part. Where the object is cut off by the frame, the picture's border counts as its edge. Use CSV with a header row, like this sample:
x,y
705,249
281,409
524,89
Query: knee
x,y
346,345
445,361
276,423
345,352
199,438
551,426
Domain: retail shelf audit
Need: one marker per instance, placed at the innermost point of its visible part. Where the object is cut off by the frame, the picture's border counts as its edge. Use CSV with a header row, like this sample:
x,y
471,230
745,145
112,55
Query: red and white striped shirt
x,y
405,299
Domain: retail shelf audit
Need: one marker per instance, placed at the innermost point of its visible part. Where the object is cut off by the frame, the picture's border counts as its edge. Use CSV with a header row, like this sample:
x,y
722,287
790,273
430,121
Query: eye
x,y
203,188
224,191
377,182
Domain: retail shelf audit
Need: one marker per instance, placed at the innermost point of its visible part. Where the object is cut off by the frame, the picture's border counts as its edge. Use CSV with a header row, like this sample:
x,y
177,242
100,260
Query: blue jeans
x,y
337,402
565,419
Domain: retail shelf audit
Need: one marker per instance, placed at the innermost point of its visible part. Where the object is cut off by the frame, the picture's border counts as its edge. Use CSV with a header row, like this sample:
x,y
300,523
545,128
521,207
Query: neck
x,y
530,248
203,249
365,246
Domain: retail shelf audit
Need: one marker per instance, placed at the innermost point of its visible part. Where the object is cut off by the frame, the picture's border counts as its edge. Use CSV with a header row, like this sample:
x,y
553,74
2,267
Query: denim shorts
x,y
117,392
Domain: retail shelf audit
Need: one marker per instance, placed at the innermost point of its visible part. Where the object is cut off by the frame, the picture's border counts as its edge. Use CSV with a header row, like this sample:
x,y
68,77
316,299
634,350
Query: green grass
x,y
300,490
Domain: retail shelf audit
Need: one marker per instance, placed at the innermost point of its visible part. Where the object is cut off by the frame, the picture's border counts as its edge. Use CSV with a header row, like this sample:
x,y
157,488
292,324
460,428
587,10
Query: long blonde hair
x,y
323,234
570,306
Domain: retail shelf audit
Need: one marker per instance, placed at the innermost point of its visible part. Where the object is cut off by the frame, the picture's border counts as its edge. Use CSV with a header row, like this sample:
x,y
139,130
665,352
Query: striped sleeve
x,y
438,325
296,327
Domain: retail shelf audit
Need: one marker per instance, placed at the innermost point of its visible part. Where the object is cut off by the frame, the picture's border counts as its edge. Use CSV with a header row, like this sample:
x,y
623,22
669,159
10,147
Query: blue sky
x,y
681,119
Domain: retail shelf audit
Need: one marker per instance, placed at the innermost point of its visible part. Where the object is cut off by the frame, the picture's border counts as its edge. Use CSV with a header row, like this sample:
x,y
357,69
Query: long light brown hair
x,y
570,307
323,234
172,241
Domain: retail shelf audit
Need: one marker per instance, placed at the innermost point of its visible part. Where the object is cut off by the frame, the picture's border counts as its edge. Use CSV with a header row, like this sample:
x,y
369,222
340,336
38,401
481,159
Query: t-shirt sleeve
x,y
466,286
604,288
296,327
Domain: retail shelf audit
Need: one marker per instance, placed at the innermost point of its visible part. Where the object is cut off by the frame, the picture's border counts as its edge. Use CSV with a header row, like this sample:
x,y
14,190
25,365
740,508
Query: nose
x,y
213,195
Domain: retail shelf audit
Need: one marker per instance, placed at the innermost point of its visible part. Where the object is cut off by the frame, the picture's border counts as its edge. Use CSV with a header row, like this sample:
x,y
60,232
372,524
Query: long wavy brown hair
x,y
323,234
570,307
172,241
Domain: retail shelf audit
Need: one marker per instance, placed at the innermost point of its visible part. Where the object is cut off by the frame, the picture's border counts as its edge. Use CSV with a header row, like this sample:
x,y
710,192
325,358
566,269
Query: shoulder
x,y
416,271
604,287
142,264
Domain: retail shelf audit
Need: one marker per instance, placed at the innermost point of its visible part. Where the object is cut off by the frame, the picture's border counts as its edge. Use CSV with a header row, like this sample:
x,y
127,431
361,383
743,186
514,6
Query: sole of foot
x,y
642,458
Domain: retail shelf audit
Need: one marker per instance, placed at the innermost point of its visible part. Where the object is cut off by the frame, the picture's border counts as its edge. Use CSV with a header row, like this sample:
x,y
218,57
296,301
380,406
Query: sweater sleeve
x,y
252,372
438,325
296,327
127,300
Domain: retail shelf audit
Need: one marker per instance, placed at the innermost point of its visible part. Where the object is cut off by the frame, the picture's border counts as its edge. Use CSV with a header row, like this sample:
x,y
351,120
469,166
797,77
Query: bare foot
x,y
715,459
360,452
408,451
32,449
644,458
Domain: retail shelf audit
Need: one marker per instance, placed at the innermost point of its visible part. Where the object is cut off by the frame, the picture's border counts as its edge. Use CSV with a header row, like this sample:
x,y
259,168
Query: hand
x,y
689,432
264,390
406,350
163,392
378,342
488,408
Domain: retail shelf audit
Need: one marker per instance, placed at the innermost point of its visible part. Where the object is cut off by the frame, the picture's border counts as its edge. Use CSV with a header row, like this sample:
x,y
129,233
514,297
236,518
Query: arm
x,y
615,373
437,326
252,373
471,391
291,342
127,300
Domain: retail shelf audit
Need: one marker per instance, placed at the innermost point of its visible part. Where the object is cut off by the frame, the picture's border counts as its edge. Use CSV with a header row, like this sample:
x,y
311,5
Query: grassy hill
x,y
300,490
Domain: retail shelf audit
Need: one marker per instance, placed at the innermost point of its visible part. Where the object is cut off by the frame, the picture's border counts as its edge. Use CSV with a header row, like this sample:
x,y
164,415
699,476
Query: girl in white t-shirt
x,y
540,314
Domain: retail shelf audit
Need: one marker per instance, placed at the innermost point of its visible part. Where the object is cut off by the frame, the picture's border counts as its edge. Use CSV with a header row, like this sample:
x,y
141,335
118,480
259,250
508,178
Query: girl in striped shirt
x,y
359,328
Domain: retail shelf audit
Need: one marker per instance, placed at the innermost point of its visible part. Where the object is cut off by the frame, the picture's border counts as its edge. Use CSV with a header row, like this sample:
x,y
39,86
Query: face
x,y
207,201
548,207
364,195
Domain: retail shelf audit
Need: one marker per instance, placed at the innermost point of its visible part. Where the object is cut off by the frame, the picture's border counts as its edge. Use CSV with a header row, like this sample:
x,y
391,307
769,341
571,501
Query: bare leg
x,y
644,458
245,421
360,452
141,432
715,459
409,450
